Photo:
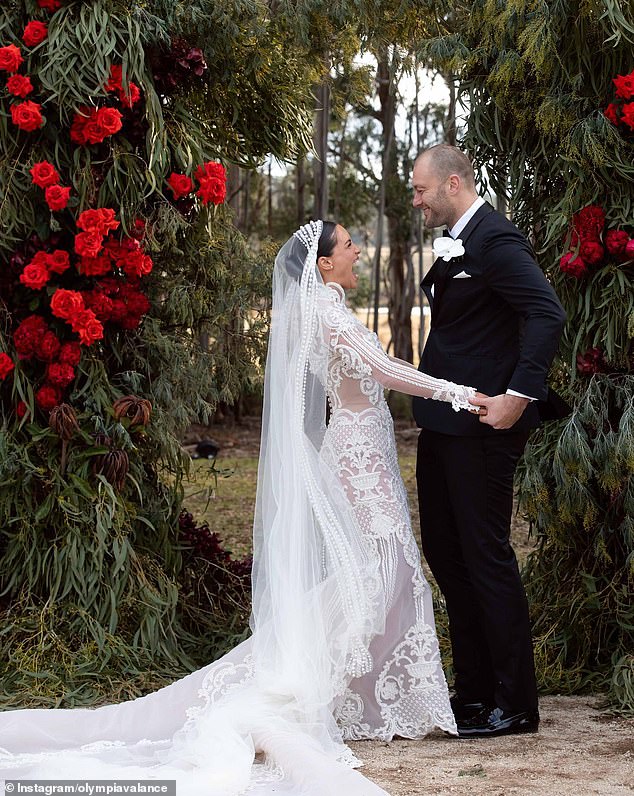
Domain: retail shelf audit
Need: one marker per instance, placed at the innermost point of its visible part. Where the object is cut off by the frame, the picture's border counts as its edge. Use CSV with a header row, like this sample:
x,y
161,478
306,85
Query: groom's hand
x,y
499,411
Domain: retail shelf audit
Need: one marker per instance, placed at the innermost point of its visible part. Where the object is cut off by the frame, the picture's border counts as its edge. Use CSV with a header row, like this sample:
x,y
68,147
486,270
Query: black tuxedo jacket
x,y
495,324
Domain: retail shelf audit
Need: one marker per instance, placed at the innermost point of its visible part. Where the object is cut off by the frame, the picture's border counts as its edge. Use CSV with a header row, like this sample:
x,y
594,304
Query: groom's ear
x,y
455,183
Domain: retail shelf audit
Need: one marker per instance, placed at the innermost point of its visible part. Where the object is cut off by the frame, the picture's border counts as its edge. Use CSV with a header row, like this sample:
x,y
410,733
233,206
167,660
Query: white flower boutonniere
x,y
448,248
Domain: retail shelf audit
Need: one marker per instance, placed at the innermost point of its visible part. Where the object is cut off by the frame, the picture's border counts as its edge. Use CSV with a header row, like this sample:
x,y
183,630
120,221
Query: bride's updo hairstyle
x,y
327,239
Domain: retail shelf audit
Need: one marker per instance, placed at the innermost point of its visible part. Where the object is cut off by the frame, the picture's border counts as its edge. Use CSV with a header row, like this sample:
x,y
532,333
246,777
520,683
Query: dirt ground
x,y
579,750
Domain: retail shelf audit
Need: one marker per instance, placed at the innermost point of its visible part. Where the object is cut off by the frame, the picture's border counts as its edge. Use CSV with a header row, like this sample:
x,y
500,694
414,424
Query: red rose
x,y
44,174
624,85
34,33
48,397
60,374
115,81
21,409
109,120
589,222
213,182
101,220
19,85
629,250
78,127
616,240
66,303
94,266
137,303
48,347
130,96
35,275
592,252
628,115
611,113
6,366
180,184
10,58
49,5
136,264
59,261
57,197
70,353
27,115
138,231
575,266
88,244
86,325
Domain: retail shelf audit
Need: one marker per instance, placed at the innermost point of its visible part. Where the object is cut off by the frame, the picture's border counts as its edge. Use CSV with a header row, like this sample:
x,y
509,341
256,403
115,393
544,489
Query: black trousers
x,y
465,492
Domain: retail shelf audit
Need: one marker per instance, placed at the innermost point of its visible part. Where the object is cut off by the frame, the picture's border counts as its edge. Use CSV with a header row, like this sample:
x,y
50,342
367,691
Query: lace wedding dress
x,y
343,643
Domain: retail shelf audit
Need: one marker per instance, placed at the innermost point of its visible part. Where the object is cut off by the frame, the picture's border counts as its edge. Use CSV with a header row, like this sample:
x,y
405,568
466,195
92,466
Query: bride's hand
x,y
479,408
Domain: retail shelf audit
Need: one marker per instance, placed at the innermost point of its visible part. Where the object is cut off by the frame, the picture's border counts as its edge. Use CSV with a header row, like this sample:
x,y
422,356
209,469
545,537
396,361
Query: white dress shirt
x,y
455,231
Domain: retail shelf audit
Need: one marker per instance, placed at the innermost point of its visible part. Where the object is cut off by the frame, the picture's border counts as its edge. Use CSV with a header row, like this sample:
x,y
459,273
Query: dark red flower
x,y
60,374
48,347
88,244
28,335
66,303
136,264
6,366
115,81
180,184
57,197
628,253
44,174
575,266
10,58
21,409
616,240
70,353
50,5
591,362
592,252
589,222
34,33
27,115
100,304
611,113
47,397
94,266
624,85
19,85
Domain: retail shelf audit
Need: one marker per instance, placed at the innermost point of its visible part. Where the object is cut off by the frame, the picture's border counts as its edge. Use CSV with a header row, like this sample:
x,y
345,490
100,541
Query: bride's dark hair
x,y
327,239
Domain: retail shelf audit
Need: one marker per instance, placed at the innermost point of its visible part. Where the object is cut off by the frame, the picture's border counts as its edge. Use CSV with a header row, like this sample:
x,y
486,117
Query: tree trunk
x,y
322,120
300,191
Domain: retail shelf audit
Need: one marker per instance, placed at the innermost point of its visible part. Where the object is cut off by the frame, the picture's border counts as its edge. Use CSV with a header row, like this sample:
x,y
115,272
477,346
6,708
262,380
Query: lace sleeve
x,y
394,376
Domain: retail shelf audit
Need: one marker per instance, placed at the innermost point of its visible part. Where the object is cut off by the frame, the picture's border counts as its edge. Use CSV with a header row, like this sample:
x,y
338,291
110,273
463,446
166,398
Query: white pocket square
x,y
462,275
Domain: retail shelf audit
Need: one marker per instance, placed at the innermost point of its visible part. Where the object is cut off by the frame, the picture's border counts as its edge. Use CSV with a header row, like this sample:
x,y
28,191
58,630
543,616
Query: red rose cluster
x,y
621,112
212,180
33,339
127,96
116,298
45,176
94,125
590,244
26,115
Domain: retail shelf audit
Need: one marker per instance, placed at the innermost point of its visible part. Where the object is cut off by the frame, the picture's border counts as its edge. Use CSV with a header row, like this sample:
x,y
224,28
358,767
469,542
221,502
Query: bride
x,y
343,644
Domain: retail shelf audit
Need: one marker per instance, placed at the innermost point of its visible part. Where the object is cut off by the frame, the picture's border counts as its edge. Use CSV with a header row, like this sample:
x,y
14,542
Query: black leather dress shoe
x,y
464,710
498,722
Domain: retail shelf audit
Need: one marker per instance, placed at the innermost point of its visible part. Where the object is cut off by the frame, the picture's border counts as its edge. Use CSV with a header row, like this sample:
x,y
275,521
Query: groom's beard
x,y
441,214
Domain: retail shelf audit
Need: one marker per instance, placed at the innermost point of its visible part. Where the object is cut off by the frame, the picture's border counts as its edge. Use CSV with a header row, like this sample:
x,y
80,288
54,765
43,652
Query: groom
x,y
495,325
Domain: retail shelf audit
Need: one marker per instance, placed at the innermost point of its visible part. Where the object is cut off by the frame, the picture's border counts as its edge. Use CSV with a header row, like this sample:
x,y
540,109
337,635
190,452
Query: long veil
x,y
259,720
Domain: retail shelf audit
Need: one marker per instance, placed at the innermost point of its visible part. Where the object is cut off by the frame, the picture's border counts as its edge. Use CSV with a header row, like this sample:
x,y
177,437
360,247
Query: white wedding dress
x,y
343,643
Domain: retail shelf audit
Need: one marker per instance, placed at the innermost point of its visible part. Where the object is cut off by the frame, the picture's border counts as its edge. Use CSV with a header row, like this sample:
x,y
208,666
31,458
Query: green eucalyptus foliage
x,y
535,77
97,595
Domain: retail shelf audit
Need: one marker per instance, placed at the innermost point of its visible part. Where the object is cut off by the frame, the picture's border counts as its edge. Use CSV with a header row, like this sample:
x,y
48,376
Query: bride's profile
x,y
343,643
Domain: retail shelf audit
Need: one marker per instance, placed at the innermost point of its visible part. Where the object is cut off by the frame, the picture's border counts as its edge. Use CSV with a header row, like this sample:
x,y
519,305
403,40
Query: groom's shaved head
x,y
446,160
